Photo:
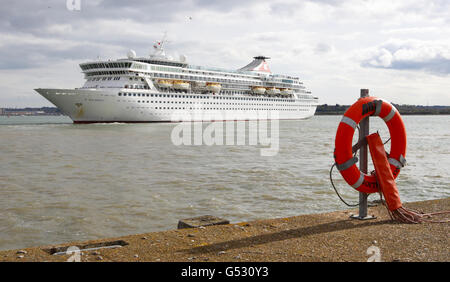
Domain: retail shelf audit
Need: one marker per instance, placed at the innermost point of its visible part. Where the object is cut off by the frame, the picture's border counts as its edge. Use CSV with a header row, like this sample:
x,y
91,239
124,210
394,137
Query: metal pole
x,y
363,162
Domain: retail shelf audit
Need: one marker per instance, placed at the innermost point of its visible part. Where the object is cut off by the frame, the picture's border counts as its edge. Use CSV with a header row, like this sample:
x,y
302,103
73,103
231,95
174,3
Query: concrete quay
x,y
315,237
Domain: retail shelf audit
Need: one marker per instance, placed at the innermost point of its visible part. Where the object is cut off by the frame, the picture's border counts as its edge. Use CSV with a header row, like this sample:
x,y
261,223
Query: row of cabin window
x,y
136,86
245,109
96,73
191,71
103,78
207,79
213,103
106,65
203,97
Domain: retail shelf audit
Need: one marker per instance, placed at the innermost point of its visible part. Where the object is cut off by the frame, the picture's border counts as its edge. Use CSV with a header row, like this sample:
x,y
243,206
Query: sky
x,y
399,50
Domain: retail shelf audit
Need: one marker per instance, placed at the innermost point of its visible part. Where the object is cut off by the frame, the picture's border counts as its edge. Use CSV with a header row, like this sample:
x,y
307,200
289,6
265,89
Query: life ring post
x,y
363,163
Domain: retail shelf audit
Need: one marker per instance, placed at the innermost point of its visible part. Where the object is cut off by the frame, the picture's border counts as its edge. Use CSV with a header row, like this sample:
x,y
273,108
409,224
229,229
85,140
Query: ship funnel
x,y
259,65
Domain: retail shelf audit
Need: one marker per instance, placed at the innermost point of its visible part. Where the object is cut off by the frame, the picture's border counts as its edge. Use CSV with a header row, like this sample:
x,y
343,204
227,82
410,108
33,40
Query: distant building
x,y
1,111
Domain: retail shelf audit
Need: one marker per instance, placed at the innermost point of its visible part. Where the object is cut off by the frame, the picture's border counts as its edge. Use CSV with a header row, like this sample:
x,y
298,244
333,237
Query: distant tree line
x,y
42,110
403,109
324,109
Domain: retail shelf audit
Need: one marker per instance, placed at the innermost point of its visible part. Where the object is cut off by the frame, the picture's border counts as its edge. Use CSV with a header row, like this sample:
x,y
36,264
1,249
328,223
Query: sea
x,y
62,182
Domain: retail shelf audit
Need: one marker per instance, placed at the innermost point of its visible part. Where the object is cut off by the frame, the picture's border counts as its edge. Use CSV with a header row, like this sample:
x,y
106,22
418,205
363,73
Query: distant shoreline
x,y
28,111
322,110
403,109
403,114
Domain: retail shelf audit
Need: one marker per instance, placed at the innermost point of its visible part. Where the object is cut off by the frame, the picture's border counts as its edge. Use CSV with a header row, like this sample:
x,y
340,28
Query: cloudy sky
x,y
399,49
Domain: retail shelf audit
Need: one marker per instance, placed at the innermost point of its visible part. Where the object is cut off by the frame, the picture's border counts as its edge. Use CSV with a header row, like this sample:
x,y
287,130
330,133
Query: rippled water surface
x,y
62,182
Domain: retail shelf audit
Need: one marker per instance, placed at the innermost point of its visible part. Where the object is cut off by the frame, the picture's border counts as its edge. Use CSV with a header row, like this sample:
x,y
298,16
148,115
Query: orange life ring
x,y
343,155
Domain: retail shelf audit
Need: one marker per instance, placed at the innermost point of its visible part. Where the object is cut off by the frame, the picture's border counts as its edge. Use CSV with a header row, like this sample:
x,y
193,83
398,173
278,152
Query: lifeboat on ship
x,y
180,84
273,91
213,87
164,83
286,91
259,90
200,84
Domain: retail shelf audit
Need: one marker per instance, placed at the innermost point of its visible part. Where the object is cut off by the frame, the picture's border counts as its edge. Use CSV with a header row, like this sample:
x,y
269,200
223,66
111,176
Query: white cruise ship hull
x,y
102,106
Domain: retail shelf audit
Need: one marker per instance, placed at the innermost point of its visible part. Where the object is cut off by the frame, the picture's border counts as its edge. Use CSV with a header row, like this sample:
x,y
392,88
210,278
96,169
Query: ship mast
x,y
158,48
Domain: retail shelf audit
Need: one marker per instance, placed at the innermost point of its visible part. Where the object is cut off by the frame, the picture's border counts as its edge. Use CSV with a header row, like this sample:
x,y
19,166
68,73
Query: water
x,y
61,182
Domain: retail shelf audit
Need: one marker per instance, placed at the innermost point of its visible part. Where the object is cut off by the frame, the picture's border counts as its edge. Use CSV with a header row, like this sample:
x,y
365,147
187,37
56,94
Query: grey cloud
x,y
22,56
223,6
322,48
328,2
284,9
433,7
437,65
431,57
143,10
40,18
34,16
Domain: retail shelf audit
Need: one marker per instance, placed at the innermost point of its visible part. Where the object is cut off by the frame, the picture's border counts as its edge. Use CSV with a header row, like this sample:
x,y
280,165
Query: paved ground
x,y
317,237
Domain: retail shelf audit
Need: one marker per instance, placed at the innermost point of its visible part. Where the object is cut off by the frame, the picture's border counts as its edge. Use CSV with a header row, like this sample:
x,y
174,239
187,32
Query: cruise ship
x,y
159,88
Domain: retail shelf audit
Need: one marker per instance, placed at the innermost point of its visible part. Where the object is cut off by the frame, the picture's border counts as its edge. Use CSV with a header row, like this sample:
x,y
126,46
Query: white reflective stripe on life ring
x,y
349,163
398,163
390,115
349,121
359,181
